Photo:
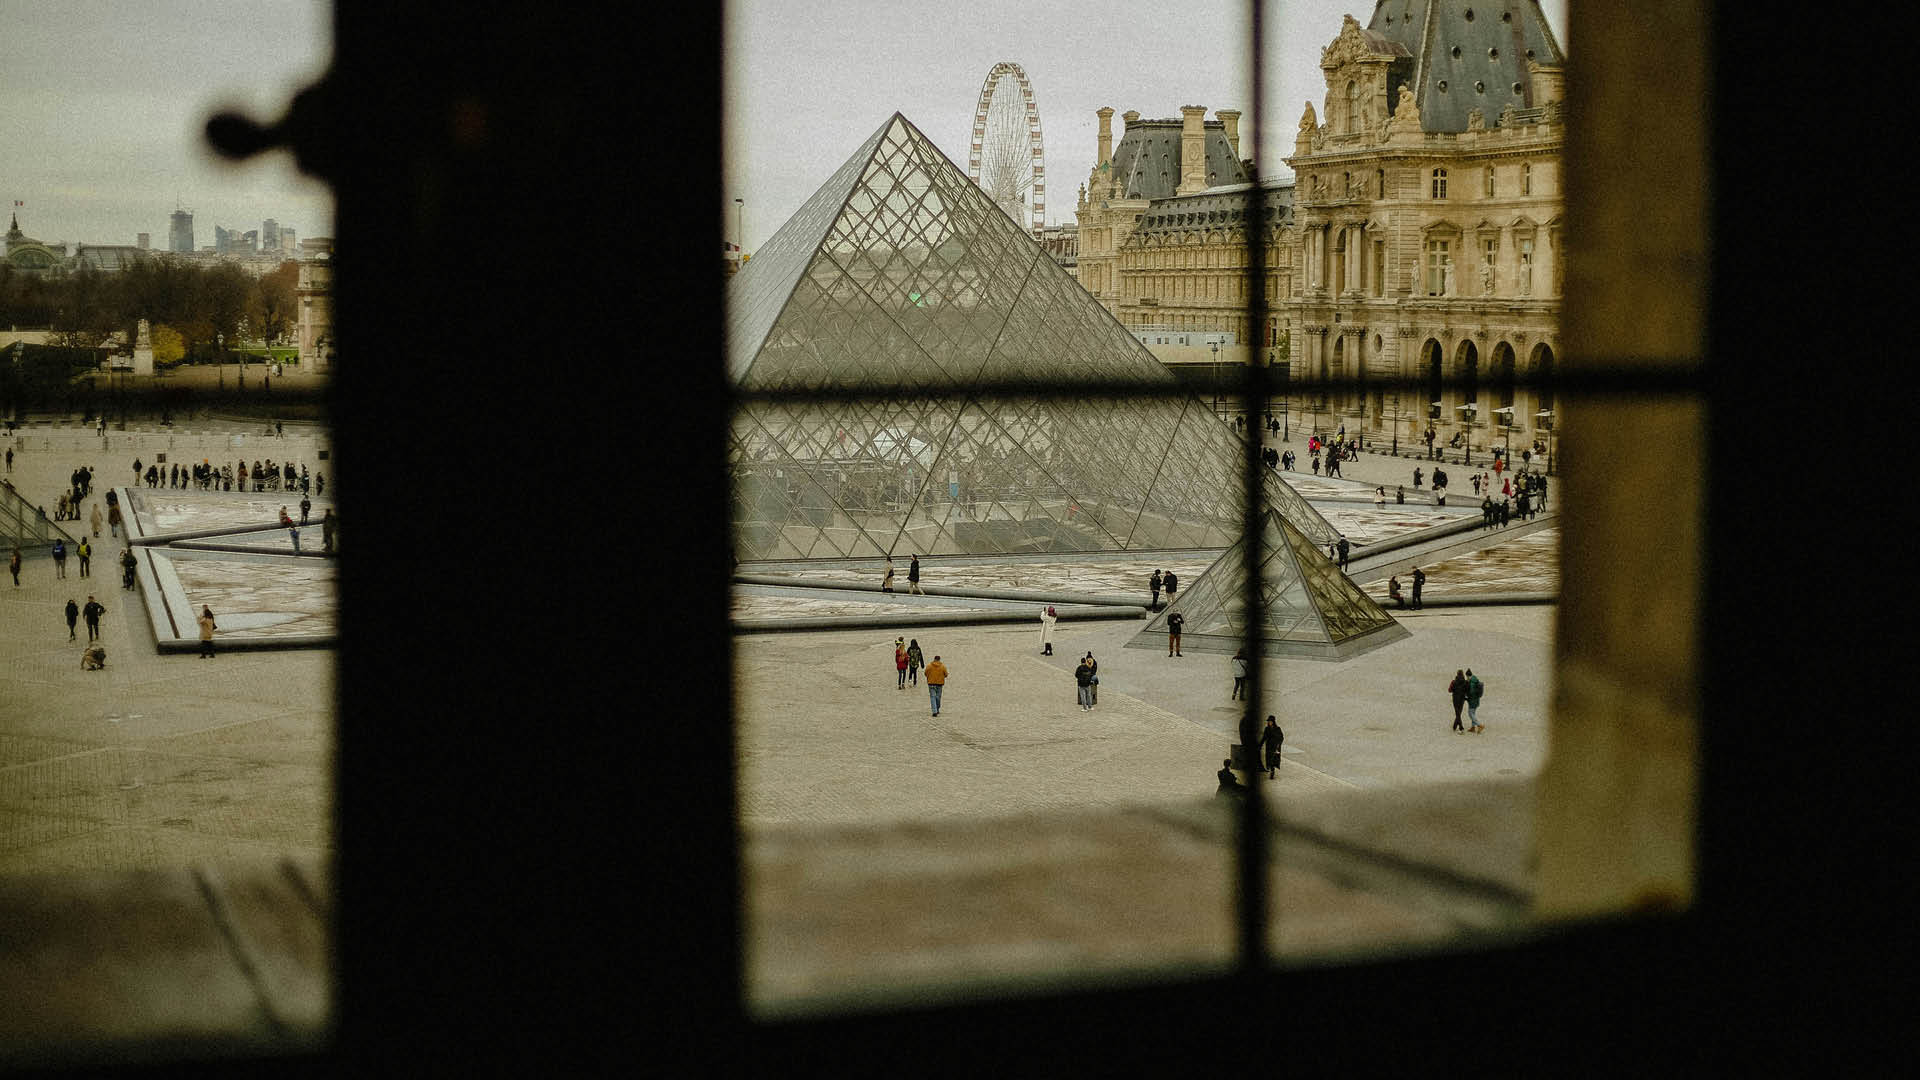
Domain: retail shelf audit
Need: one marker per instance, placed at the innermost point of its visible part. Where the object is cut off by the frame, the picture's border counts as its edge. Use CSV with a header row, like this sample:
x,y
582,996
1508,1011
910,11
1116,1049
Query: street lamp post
x,y
1466,440
739,229
1216,378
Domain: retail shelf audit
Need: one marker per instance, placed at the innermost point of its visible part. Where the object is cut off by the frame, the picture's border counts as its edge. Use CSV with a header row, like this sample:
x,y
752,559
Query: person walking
x,y
1271,739
1094,686
1154,583
1172,583
128,564
207,627
326,532
1047,617
1239,665
92,612
936,682
86,557
1345,550
915,661
900,660
1419,582
13,565
306,505
9,459
60,558
886,579
1458,689
1174,622
913,576
73,617
1416,478
95,522
1083,676
1475,688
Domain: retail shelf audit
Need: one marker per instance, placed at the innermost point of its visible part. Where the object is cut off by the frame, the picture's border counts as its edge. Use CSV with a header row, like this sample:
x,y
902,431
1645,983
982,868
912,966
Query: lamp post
x,y
1547,415
1216,378
739,229
1286,397
1467,442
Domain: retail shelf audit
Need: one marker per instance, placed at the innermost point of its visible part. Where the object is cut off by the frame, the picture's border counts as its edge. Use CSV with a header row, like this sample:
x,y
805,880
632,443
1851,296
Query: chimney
x,y
1106,135
1545,84
1231,118
1128,118
1193,150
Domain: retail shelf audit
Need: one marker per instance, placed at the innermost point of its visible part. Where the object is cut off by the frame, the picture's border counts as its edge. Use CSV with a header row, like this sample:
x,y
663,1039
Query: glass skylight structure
x,y
901,285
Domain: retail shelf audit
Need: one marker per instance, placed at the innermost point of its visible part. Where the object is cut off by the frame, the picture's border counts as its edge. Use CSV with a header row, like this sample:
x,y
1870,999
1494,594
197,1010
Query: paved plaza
x,y
159,760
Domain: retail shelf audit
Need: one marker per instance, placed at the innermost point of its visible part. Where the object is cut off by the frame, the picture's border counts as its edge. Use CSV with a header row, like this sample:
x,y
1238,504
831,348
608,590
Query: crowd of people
x,y
206,476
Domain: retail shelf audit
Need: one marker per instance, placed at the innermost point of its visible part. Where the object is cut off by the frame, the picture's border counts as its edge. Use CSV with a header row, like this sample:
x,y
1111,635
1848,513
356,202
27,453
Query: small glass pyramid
x,y
901,276
1308,608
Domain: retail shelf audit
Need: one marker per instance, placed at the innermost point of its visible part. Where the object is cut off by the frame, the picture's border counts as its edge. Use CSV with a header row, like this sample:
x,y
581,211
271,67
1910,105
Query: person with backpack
x,y
915,661
1474,689
59,558
900,660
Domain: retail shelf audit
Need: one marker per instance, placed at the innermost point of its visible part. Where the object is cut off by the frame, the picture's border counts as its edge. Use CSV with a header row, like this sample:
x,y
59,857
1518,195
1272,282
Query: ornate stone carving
x,y
1476,120
1486,279
1481,333
1406,117
1409,331
1506,115
1307,121
1350,46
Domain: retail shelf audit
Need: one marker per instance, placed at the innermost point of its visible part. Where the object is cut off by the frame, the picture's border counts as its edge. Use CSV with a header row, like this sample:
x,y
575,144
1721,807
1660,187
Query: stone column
x,y
1105,113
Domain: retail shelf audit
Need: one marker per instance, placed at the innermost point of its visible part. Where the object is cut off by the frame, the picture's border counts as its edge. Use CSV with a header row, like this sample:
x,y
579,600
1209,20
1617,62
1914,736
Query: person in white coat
x,y
1046,630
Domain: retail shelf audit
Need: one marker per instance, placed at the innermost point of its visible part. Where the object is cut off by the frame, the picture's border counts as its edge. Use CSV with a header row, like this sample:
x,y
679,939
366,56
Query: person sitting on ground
x,y
94,658
1229,786
1393,591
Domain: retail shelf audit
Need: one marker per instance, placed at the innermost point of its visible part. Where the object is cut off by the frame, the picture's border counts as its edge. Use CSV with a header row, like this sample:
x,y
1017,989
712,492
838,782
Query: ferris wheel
x,y
1005,158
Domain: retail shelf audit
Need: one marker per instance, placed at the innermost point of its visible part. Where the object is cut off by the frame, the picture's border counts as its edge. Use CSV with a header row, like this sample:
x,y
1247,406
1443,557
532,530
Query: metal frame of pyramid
x,y
1309,608
901,277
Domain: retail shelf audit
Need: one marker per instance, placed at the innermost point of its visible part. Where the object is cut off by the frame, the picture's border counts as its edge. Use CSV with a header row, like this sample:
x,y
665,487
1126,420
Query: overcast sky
x,y
102,105
807,82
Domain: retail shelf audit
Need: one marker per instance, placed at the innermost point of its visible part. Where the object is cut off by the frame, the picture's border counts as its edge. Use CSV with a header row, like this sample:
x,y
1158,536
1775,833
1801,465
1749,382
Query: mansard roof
x,y
1147,161
1468,54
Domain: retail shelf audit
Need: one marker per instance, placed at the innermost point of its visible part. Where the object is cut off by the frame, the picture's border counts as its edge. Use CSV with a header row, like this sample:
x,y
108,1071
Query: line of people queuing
x,y
270,476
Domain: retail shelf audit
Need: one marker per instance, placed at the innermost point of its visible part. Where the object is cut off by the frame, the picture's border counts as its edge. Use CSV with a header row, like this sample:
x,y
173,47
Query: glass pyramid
x,y
901,276
1308,607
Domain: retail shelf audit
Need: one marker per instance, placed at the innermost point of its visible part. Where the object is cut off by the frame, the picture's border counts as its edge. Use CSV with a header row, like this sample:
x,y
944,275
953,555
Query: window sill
x,y
157,965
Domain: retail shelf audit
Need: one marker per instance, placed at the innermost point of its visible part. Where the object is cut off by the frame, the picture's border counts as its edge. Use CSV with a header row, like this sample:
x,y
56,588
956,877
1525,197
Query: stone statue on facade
x,y
1308,123
1476,120
1486,279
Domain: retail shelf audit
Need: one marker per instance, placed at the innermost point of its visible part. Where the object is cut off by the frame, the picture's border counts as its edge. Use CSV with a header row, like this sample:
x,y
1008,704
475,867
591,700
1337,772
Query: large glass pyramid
x,y
900,274
1307,606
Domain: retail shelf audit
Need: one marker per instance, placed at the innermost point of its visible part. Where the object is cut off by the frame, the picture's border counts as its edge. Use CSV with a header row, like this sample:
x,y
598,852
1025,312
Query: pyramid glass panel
x,y
1308,608
900,276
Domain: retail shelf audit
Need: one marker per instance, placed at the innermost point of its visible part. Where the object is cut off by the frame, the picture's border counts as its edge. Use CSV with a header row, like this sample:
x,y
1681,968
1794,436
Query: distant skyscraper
x,y
223,239
143,242
180,234
269,235
248,242
288,244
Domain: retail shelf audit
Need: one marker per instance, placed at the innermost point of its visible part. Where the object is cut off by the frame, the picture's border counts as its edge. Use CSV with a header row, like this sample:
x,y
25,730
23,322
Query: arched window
x,y
1439,183
1353,106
